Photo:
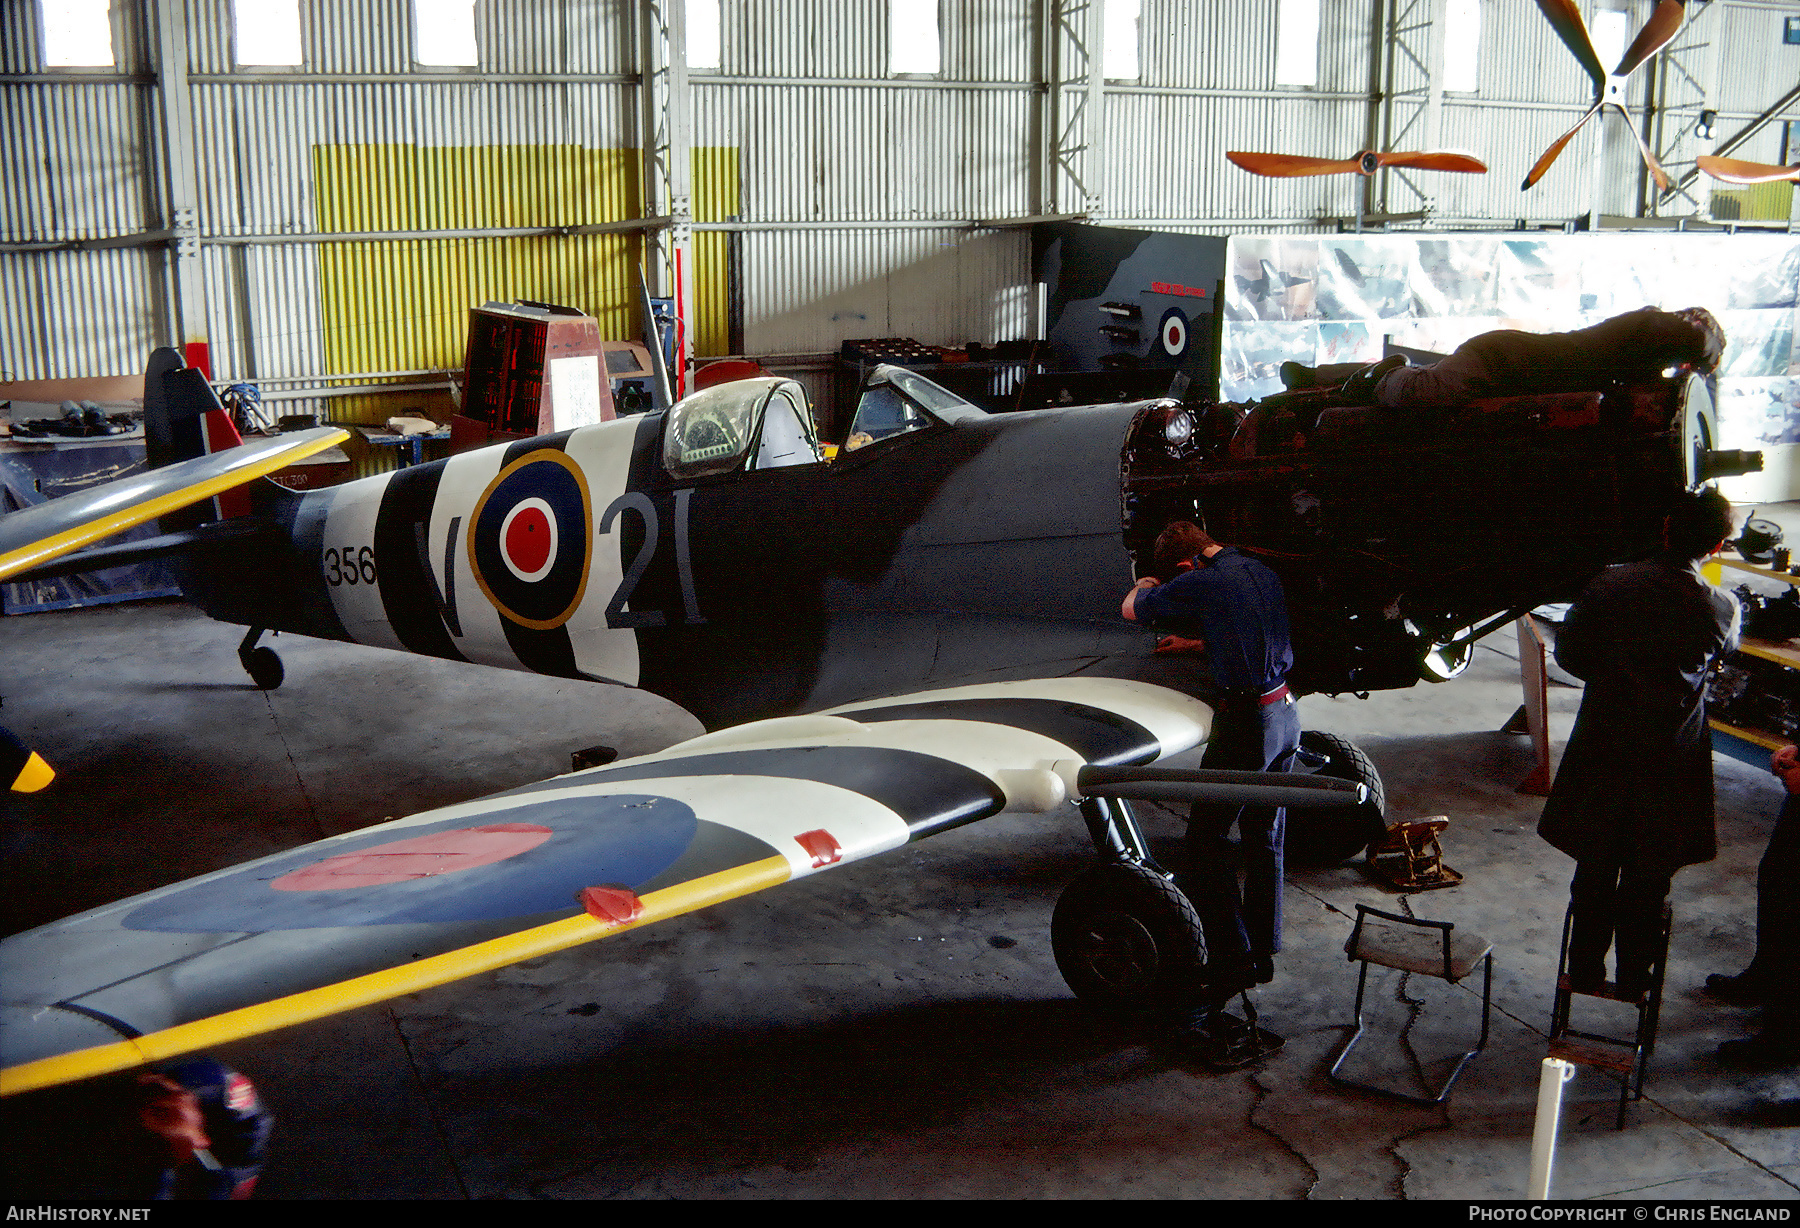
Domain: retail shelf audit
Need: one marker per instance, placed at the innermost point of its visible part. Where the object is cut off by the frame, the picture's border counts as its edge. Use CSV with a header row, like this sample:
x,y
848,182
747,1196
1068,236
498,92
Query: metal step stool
x,y
1628,1058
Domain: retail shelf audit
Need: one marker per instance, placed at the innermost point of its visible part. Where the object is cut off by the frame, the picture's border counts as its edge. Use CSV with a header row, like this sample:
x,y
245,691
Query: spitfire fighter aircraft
x,y
912,634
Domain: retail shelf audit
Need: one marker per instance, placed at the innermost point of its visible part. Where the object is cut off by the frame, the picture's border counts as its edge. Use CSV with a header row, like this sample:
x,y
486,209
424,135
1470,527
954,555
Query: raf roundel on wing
x,y
532,539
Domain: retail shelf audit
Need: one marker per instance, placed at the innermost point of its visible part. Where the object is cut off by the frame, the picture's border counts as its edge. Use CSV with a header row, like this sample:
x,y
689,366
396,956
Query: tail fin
x,y
184,419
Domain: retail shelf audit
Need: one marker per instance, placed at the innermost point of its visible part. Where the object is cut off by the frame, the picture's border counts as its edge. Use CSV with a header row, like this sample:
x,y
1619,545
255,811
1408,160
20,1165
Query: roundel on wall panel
x,y
531,539
1173,332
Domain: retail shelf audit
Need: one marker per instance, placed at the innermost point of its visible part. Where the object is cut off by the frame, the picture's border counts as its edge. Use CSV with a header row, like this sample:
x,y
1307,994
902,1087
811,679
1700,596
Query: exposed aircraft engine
x,y
1403,535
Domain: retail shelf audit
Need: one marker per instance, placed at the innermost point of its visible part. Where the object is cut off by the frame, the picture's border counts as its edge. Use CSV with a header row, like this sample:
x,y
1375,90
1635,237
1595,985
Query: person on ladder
x,y
1632,801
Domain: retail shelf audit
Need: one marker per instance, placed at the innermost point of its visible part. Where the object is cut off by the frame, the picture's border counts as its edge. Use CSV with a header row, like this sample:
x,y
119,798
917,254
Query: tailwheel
x,y
263,666
265,669
1126,939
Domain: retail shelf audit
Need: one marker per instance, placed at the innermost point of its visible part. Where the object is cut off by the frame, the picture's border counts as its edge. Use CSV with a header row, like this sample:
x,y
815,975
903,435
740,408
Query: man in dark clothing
x,y
1772,981
1633,797
1234,608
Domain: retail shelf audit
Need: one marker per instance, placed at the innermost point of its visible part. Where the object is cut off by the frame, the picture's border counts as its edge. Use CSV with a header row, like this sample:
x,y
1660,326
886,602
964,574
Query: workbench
x,y
1747,743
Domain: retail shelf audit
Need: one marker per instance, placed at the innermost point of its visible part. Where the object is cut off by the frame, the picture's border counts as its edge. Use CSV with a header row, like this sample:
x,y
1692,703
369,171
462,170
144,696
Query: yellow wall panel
x,y
1760,202
404,305
715,177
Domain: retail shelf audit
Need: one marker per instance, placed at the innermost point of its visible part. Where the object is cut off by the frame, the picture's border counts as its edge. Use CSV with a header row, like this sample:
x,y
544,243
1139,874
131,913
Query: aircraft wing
x,y
35,535
425,900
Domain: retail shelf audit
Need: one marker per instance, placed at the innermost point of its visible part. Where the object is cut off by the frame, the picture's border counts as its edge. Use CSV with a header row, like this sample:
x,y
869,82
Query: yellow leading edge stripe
x,y
45,549
388,983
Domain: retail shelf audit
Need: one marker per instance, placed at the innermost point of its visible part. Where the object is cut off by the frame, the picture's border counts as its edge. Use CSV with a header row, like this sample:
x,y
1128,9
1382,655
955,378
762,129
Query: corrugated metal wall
x,y
852,190
74,147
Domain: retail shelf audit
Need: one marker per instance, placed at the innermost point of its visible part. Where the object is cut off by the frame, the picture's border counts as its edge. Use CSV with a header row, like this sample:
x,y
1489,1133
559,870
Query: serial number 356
x,y
350,566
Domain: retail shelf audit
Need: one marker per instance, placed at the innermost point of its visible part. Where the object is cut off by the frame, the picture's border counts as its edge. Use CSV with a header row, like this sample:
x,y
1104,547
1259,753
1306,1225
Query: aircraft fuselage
x,y
985,548
982,547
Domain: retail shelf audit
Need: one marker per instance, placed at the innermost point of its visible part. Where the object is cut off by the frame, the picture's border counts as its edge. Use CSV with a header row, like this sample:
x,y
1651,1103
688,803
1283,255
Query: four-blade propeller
x,y
1609,89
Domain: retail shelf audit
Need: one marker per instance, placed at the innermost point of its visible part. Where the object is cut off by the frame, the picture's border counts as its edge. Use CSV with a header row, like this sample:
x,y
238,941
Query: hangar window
x,y
1121,54
703,36
913,45
266,32
715,430
1462,45
444,33
77,33
1297,43
1607,30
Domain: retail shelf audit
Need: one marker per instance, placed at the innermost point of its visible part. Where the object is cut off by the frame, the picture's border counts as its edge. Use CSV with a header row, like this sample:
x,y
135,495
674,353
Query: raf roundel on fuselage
x,y
531,541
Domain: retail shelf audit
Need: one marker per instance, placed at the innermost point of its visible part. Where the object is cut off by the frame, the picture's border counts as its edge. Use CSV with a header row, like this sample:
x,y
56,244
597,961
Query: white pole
x,y
1555,1073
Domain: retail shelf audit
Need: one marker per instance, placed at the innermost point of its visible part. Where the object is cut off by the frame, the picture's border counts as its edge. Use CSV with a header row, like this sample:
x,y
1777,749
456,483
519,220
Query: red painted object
x,y
198,355
615,904
821,846
727,371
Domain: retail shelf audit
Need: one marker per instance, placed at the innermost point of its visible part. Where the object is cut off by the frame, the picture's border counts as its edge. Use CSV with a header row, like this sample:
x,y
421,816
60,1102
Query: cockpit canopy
x,y
747,424
896,401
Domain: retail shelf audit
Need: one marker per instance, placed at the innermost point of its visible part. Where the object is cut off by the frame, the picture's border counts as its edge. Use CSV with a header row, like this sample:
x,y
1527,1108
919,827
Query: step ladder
x,y
1627,1057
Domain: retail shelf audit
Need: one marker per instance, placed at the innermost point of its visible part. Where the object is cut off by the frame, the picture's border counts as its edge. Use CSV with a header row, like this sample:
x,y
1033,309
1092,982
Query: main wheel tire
x,y
1329,835
1127,940
265,668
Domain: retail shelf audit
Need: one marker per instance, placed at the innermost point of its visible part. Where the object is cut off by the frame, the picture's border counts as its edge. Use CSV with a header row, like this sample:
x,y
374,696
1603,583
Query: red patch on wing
x,y
821,846
615,904
444,852
527,543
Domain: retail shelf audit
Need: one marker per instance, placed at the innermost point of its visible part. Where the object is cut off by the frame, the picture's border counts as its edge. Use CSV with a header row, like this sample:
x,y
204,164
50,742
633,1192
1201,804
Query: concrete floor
x,y
893,1029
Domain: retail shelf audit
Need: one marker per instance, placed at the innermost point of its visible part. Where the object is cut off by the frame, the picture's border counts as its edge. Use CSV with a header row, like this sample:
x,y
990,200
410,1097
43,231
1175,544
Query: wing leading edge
x,y
421,901
33,536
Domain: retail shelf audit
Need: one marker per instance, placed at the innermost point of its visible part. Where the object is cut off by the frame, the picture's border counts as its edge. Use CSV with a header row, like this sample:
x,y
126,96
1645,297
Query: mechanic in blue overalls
x,y
1235,608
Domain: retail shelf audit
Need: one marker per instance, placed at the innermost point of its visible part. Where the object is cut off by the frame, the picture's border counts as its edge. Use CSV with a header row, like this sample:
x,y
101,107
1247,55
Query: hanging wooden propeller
x,y
1609,89
1293,166
1730,170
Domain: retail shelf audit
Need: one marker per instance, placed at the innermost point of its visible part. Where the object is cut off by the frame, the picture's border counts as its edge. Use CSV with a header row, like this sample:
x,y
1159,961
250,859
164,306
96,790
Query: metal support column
x,y
1687,66
1041,150
1688,73
667,111
1406,94
1077,89
179,178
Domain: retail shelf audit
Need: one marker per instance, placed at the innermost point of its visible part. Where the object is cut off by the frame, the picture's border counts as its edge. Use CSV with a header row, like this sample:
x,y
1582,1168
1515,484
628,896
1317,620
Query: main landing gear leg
x,y
1125,938
1113,827
1128,941
263,666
